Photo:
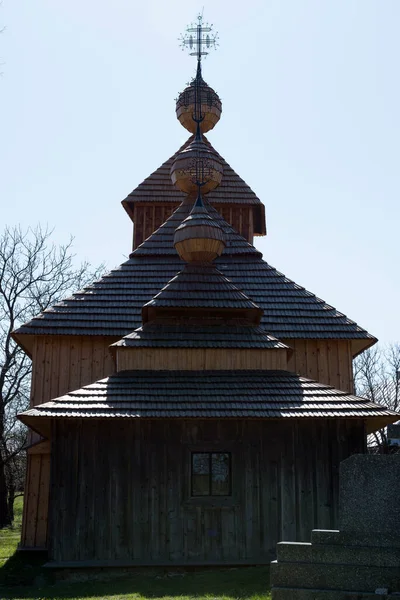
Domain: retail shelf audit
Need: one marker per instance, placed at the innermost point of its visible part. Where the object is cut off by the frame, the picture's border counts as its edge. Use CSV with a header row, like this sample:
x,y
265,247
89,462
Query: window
x,y
211,474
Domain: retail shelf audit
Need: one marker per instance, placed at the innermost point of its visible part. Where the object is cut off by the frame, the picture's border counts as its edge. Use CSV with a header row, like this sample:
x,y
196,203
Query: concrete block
x,y
367,539
296,594
361,561
294,551
355,555
334,576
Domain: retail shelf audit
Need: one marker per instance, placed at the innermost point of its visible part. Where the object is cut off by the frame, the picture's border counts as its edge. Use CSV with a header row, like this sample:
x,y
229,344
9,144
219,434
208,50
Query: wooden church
x,y
191,407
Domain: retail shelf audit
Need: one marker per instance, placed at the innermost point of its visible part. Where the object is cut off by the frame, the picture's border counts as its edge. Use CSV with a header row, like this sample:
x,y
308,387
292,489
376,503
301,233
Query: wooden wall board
x,y
326,361
59,364
137,506
43,447
149,217
42,510
31,499
199,358
63,363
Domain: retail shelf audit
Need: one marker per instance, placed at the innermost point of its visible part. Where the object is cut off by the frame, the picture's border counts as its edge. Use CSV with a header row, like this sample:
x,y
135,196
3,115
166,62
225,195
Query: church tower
x,y
192,406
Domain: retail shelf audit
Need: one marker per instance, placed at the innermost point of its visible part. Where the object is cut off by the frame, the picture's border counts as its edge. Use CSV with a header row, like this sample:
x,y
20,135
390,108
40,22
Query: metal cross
x,y
199,39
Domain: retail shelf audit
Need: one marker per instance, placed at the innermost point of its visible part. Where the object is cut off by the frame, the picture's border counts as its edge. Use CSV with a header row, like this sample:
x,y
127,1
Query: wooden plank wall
x,y
200,359
64,363
240,217
326,361
59,364
128,499
149,217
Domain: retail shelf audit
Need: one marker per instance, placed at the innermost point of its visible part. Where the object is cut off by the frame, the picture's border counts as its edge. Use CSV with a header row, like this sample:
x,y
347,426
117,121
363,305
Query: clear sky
x,y
310,92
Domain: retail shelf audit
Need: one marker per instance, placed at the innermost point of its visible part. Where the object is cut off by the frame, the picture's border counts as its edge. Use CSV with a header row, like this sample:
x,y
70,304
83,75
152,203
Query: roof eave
x,y
42,425
24,341
360,345
375,423
129,208
260,228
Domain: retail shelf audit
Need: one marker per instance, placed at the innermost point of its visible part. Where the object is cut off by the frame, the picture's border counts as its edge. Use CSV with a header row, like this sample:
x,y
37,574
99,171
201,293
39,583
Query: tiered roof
x,y
156,300
208,395
165,335
201,286
113,305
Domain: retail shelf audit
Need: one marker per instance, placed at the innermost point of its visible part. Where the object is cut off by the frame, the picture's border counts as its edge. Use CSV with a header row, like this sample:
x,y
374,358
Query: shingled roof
x,y
208,394
161,242
162,335
158,187
201,286
112,306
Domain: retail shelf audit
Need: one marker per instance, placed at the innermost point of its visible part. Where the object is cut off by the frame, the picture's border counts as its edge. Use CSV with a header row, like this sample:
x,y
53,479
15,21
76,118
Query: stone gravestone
x,y
360,560
393,434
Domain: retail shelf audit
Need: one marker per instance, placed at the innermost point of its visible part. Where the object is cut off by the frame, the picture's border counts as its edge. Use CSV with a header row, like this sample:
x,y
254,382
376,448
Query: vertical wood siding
x,y
326,361
123,487
149,217
59,365
190,359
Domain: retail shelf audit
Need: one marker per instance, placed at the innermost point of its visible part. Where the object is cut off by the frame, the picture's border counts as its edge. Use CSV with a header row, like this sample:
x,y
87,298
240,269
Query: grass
x,y
9,536
22,578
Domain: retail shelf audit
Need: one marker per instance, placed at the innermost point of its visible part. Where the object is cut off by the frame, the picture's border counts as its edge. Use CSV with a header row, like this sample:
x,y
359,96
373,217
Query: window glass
x,y
220,469
211,474
201,474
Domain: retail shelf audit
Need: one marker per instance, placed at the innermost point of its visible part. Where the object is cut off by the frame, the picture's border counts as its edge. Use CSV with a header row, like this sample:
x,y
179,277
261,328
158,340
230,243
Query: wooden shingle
x,y
158,188
164,335
112,306
208,394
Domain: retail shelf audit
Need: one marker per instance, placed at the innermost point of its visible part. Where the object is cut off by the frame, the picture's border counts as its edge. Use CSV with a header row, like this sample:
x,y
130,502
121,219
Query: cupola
x,y
199,238
197,161
209,100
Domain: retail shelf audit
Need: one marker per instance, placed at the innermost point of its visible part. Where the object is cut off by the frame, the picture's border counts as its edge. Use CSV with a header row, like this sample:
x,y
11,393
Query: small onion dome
x,y
211,107
199,238
197,162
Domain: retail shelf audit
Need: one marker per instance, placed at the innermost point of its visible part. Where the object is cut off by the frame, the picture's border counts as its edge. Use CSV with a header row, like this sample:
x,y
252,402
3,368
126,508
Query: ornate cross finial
x,y
199,168
199,38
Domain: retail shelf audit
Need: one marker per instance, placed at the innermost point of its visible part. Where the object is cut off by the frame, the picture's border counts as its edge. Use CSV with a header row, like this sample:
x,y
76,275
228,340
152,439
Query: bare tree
x,y
15,466
34,274
377,377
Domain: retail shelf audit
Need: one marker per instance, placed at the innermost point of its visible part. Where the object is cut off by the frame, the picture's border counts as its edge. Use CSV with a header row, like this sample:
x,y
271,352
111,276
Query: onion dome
x,y
211,106
197,162
199,238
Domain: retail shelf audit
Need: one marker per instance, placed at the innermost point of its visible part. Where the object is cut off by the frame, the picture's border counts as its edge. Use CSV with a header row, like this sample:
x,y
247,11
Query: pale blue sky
x,y
310,92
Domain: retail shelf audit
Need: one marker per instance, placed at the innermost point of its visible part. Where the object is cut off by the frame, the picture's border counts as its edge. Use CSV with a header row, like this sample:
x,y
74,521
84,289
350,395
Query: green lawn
x,y
22,578
9,537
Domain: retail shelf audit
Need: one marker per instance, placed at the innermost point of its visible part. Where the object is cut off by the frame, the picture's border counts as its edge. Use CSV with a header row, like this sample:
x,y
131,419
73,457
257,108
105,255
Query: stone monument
x,y
360,560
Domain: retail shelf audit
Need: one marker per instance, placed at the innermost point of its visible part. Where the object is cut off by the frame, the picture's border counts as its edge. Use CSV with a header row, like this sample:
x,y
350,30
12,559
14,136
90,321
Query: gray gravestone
x,y
361,560
370,494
